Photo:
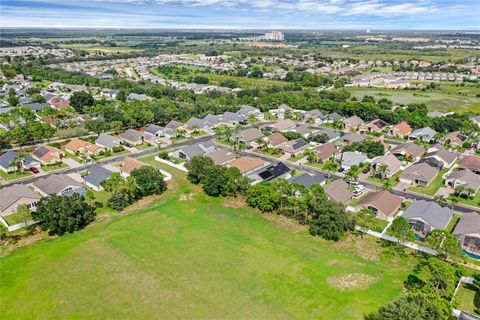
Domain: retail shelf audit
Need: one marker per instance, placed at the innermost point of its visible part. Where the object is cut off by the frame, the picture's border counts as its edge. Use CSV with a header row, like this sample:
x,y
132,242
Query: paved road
x,y
309,169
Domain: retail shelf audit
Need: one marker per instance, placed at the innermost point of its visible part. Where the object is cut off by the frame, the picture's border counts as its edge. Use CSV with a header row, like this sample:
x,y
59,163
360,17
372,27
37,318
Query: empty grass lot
x,y
194,257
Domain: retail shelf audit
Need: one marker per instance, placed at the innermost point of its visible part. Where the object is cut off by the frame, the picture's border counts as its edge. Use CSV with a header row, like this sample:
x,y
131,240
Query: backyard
x,y
467,299
192,256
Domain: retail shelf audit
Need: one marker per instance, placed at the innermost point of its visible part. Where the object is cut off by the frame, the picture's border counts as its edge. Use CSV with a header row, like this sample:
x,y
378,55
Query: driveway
x,y
445,191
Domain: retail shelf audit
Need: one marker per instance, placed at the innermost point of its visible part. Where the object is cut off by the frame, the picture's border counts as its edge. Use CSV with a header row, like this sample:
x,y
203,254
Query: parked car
x,y
34,170
327,175
360,187
352,181
357,193
366,170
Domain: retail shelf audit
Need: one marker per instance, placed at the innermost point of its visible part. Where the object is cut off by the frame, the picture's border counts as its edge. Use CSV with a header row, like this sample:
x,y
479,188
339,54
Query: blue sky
x,y
243,14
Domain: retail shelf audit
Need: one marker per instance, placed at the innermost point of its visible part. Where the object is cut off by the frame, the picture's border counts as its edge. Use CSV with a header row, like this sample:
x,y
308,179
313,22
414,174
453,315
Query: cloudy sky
x,y
243,14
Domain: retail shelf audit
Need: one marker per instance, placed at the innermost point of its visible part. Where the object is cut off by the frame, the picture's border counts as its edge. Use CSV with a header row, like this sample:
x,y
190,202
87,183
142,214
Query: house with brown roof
x,y
467,232
384,203
445,157
284,125
222,156
48,155
470,162
353,137
409,151
129,164
59,103
325,151
294,147
376,125
419,174
249,137
14,196
338,191
77,146
276,140
391,163
401,129
454,139
247,165
352,123
174,125
465,178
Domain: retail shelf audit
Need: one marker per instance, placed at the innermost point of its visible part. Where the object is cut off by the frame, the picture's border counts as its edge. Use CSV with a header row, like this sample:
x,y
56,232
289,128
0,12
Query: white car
x,y
357,193
360,187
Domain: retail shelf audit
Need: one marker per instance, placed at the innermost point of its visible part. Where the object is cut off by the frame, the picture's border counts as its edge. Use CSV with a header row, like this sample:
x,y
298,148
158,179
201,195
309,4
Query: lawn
x,y
111,155
14,175
467,299
433,187
475,201
16,218
191,256
393,179
54,167
297,157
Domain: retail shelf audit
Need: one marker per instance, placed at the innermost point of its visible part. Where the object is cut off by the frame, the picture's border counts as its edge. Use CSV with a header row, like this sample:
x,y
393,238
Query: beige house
x,y
14,196
82,147
383,203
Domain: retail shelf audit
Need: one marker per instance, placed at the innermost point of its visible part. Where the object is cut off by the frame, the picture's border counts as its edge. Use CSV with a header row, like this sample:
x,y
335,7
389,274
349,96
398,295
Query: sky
x,y
243,14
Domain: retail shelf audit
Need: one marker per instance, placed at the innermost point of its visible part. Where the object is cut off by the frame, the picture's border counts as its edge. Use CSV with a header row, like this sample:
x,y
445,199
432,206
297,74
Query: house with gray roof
x,y
107,141
426,216
153,130
195,123
447,158
307,180
133,136
14,196
390,161
334,116
467,231
352,138
409,151
332,134
426,134
96,175
59,184
232,118
36,106
249,136
199,149
465,178
351,158
294,147
26,160
247,111
419,174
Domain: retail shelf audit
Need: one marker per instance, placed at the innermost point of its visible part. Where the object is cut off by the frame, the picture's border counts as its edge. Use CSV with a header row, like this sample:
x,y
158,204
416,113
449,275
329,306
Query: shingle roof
x,y
97,174
385,201
245,164
107,140
10,195
469,223
430,212
55,183
308,180
338,191
132,135
153,129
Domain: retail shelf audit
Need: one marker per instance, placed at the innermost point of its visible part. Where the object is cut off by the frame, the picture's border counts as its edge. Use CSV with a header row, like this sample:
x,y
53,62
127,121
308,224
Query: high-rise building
x,y
274,36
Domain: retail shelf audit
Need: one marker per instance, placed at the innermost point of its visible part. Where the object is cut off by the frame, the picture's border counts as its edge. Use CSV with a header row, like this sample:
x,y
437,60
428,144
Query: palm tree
x,y
441,200
383,170
17,162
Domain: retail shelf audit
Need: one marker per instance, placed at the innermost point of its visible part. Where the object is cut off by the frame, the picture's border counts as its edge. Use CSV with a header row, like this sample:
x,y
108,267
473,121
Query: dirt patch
x,y
351,281
13,242
146,202
363,247
333,262
186,196
284,222
234,203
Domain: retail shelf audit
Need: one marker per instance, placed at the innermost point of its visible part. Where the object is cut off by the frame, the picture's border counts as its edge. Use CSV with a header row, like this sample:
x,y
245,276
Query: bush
x,y
118,149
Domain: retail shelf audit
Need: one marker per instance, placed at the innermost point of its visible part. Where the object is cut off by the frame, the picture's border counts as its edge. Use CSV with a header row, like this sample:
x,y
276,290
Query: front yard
x,y
14,175
393,180
55,167
475,201
433,187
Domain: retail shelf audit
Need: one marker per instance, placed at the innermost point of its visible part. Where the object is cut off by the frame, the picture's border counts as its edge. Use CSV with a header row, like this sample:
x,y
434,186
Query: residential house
x,y
446,158
211,121
247,165
352,138
419,174
426,216
338,191
136,96
426,134
377,125
467,232
384,203
284,125
59,103
313,116
283,111
307,180
304,131
7,159
96,175
250,137
153,131
48,155
233,119
16,195
409,151
332,134
222,156
133,137
351,158
247,111
276,140
388,161
270,173
59,184
107,141
77,146
454,139
174,125
476,120
324,152
294,147
199,149
332,117
401,130
470,162
195,124
352,123
464,178
129,164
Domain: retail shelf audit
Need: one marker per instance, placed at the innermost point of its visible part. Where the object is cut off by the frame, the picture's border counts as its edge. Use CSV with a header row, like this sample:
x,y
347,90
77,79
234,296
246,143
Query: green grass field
x,y
191,256
467,299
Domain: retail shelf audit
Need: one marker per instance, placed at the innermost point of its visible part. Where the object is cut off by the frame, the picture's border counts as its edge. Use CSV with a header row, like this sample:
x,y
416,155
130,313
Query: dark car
x,y
34,170
366,170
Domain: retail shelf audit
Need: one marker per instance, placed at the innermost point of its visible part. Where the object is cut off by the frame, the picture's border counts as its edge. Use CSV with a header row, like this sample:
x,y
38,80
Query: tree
x,y
17,162
235,182
411,307
437,277
4,144
121,96
198,167
330,221
12,98
97,125
114,183
61,214
353,172
263,196
81,99
24,212
200,80
383,170
214,181
445,243
148,181
400,229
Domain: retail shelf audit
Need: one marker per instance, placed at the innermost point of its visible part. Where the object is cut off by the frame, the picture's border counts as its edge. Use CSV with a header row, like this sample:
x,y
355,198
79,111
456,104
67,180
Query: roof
x,y
445,155
469,223
468,177
107,140
273,171
354,137
325,151
174,125
377,124
332,134
132,135
470,162
351,158
334,116
430,212
276,139
246,110
76,144
284,124
403,128
197,149
385,201
97,174
245,164
250,134
308,180
7,157
195,122
420,170
390,160
211,119
455,137
232,117
353,121
55,183
427,131
153,129
295,145
129,164
36,106
222,156
12,194
338,191
302,130
46,152
414,149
